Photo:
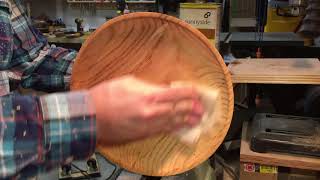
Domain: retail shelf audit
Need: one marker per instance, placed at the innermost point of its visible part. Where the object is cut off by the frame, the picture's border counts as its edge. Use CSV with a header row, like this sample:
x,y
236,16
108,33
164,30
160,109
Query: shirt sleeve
x,y
54,72
48,70
39,133
6,36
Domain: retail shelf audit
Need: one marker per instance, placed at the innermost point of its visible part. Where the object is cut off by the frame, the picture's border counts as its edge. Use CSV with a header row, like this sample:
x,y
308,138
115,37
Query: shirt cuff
x,y
69,126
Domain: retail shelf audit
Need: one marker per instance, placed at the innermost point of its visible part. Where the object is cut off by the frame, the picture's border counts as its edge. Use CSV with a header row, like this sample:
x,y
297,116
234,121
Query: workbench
x,y
65,40
72,43
274,166
242,44
273,45
276,71
269,39
233,38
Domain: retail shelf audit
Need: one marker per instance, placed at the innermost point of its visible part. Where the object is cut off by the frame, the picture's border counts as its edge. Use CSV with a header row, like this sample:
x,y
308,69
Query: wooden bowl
x,y
159,49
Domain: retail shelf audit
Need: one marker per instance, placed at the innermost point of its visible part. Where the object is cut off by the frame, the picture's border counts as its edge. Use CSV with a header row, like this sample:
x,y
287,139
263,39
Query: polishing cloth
x,y
208,97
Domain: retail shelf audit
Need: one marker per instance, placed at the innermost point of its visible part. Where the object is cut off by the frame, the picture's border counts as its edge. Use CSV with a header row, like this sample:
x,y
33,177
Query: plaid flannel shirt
x,y
37,133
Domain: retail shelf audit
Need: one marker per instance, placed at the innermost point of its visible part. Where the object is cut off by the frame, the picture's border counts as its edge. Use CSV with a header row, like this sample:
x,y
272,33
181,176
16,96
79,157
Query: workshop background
x,y
282,30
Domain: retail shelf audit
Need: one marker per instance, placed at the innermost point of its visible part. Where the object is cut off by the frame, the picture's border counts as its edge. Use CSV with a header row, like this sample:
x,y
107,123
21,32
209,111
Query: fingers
x,y
172,109
174,95
185,107
194,107
182,102
185,113
181,122
188,112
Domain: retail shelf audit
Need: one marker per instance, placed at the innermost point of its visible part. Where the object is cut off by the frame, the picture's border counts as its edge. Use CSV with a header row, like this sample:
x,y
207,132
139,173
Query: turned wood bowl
x,y
159,49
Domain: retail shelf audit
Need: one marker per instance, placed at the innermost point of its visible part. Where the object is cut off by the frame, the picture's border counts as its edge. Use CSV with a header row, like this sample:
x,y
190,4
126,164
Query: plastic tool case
x,y
288,134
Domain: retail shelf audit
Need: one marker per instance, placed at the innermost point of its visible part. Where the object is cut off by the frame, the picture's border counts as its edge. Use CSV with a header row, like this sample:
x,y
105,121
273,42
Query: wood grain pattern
x,y
276,71
275,159
159,49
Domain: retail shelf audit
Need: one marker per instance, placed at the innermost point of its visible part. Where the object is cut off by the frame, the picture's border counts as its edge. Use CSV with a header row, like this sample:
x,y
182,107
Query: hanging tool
x,y
121,6
261,18
79,22
169,6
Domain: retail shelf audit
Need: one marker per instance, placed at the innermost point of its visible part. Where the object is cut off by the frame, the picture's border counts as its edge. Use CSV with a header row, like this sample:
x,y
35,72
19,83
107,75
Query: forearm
x,y
42,132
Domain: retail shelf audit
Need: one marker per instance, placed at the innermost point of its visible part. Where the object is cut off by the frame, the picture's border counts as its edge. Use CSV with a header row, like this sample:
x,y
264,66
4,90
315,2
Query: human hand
x,y
128,109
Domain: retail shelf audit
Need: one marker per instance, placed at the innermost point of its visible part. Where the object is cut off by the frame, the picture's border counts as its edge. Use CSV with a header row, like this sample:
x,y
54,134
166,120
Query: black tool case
x,y
287,134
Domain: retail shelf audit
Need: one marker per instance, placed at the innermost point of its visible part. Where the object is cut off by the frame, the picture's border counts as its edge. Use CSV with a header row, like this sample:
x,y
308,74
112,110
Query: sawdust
x,y
314,140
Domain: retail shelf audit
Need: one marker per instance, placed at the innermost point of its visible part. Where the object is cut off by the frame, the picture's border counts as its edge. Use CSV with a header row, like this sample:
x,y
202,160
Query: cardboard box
x,y
205,17
252,171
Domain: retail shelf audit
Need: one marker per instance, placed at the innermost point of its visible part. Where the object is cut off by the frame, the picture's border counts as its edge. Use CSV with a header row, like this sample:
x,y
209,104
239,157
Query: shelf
x,y
141,2
106,1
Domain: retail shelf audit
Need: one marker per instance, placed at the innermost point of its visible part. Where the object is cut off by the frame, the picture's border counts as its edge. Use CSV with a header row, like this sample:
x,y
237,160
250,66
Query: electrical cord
x,y
83,172
226,167
113,172
116,171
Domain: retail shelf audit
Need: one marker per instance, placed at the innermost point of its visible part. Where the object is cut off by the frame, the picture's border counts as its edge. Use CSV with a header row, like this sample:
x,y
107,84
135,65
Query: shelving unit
x,y
108,1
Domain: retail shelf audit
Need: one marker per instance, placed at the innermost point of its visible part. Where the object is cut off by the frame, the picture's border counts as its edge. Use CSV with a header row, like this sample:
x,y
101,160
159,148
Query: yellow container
x,y
205,17
276,23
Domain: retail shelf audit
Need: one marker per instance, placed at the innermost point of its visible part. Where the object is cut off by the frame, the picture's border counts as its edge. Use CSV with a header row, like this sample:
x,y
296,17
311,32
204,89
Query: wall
x,y
39,7
61,9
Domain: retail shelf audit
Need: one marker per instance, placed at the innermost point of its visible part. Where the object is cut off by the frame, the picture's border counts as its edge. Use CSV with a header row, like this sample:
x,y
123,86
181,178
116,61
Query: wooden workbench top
x,y
276,71
275,159
65,40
